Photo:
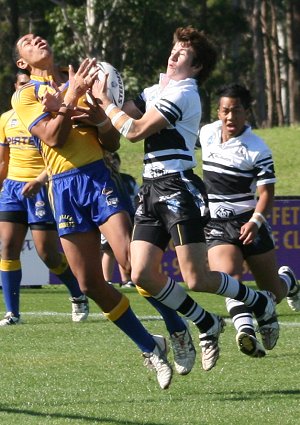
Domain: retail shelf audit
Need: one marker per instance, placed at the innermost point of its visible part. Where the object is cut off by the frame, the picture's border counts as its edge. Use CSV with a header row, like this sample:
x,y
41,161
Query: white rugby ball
x,y
115,86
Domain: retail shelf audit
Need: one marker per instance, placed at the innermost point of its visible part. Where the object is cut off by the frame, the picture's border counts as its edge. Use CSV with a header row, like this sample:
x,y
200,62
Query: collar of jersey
x,y
42,79
172,83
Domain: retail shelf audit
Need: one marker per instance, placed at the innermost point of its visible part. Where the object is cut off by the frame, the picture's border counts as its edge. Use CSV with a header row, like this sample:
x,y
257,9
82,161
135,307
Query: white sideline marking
x,y
102,317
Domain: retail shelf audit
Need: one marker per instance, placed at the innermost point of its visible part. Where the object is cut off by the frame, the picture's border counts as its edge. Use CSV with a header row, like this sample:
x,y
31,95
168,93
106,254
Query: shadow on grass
x,y
93,419
251,395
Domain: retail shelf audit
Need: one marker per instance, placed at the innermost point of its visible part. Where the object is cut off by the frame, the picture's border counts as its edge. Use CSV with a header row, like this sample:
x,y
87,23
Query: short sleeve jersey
x,y
25,161
232,170
81,147
173,149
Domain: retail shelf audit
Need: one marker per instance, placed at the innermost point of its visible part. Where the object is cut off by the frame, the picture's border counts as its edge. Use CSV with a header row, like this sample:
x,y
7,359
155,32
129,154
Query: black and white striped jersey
x,y
232,170
173,149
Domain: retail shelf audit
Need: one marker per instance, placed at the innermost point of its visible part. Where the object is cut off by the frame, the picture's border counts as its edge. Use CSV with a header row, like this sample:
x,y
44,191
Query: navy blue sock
x,y
11,276
66,276
70,281
123,317
130,324
173,322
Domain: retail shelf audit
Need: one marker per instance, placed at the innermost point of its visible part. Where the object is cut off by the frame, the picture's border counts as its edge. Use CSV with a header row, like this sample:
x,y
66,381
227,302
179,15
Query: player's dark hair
x,y
235,91
204,49
15,52
21,72
115,155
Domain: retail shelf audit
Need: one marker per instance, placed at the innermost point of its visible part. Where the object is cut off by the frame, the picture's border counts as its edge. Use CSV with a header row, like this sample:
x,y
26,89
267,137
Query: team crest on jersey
x,y
13,123
210,140
157,172
223,212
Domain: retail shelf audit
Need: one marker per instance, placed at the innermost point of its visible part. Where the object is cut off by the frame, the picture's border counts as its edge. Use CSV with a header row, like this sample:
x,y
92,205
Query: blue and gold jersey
x,y
25,161
81,147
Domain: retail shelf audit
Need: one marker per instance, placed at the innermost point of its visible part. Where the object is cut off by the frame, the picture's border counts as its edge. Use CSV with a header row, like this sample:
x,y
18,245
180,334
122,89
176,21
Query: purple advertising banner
x,y
285,222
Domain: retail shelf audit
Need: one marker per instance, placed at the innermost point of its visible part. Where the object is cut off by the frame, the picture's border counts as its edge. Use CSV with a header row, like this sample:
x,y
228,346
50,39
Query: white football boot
x,y
209,343
157,361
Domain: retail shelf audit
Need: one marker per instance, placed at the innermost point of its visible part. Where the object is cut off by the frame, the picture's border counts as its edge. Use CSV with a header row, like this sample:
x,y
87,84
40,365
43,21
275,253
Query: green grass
x,y
284,143
57,372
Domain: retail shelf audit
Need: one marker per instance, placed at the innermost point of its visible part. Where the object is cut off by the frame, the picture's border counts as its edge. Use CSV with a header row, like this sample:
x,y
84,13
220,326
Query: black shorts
x,y
223,232
22,218
173,206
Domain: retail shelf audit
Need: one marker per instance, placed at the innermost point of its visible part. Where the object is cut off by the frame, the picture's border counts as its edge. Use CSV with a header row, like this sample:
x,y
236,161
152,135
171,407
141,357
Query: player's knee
x,y
193,284
9,249
140,277
50,259
198,283
126,268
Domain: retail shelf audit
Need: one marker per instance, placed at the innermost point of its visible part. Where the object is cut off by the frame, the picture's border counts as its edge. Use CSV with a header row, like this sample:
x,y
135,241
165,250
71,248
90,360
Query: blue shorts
x,y
84,198
30,210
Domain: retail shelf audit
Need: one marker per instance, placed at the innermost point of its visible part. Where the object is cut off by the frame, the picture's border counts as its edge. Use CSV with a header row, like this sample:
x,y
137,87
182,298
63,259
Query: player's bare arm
x,y
4,158
263,207
130,109
53,130
133,129
32,187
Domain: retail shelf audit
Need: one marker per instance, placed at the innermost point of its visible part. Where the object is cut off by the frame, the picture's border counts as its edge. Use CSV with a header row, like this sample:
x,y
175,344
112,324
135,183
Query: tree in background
x,y
293,55
258,43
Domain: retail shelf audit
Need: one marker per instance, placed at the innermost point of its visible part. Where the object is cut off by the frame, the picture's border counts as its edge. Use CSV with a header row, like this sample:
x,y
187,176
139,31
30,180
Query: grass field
x,y
57,372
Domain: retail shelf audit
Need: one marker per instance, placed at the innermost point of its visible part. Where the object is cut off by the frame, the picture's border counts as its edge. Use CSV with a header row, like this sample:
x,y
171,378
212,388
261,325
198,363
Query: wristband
x,y
258,214
102,123
110,107
126,127
64,105
257,222
116,117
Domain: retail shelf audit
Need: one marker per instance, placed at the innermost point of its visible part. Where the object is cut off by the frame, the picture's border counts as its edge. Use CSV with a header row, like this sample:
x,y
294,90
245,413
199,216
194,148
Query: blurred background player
x,y
128,189
24,203
237,165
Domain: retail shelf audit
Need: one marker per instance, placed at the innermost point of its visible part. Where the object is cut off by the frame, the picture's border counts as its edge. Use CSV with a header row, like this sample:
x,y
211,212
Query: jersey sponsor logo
x,y
214,155
266,169
139,210
173,205
40,209
223,212
25,140
107,191
112,201
216,233
65,221
165,198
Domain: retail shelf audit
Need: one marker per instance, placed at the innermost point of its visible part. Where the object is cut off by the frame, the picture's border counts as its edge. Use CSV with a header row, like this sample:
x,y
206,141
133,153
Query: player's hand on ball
x,y
99,91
